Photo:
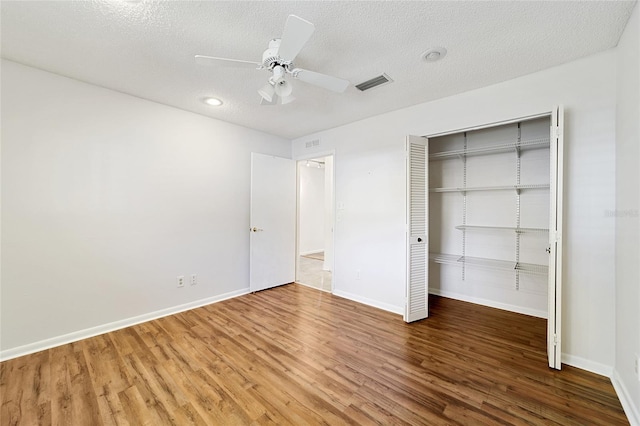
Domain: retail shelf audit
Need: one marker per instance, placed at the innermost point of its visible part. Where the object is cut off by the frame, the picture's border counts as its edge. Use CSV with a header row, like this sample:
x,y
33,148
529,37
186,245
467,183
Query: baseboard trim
x,y
112,326
370,302
630,408
313,287
489,303
586,364
308,252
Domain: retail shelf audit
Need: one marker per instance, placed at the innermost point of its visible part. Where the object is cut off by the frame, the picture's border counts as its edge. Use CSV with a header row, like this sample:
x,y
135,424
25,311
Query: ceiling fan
x,y
278,60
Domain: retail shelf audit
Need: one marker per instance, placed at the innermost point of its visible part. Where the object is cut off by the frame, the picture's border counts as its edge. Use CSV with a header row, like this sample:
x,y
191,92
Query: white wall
x,y
627,217
311,208
370,193
106,199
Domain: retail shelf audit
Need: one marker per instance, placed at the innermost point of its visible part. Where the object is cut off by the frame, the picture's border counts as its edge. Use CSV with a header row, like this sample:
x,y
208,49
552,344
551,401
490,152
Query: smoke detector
x,y
434,54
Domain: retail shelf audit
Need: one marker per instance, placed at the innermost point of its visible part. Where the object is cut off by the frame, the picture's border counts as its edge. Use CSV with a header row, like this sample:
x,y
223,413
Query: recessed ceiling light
x,y
434,54
212,101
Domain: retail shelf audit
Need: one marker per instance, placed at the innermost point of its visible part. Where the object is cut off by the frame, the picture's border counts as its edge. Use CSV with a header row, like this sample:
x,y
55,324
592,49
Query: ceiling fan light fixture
x,y
283,89
267,91
212,101
287,99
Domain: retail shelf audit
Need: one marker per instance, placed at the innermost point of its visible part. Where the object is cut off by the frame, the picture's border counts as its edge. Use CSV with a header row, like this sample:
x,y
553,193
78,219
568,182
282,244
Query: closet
x,y
484,219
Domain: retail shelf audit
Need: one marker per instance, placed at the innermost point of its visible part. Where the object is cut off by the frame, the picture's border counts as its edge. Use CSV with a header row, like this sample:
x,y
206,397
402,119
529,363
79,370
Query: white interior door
x,y
273,222
554,322
417,293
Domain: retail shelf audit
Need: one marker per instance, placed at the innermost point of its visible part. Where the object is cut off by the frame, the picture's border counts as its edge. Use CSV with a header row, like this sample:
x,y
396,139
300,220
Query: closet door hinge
x,y
555,340
556,132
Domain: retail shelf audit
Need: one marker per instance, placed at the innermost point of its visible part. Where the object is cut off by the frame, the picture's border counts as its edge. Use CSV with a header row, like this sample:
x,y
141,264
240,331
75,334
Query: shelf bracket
x,y
464,205
518,207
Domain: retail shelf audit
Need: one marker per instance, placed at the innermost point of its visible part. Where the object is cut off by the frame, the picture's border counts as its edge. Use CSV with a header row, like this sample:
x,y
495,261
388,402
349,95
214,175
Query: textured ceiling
x,y
146,49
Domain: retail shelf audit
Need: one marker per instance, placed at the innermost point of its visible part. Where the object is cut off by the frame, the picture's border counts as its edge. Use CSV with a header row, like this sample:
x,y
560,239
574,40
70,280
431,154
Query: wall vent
x,y
374,82
312,143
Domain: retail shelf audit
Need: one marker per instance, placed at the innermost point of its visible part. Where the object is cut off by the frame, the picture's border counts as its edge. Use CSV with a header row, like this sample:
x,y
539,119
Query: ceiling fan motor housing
x,y
270,57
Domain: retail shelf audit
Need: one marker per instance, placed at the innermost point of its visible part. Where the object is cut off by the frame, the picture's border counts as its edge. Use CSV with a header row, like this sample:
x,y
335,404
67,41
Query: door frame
x,y
310,156
554,286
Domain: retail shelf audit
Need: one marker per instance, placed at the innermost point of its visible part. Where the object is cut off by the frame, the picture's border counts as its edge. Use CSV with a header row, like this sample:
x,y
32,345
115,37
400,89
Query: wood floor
x,y
294,355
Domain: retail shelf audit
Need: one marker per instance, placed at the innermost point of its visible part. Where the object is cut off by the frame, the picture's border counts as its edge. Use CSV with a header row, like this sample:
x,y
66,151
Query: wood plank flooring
x,y
294,355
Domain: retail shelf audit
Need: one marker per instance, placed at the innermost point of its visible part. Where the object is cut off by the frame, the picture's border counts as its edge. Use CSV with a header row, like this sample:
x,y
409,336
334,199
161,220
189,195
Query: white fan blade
x,y
328,82
212,60
296,33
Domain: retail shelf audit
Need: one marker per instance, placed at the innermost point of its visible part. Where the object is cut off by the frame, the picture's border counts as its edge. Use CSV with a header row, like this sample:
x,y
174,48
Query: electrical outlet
x,y
181,281
637,366
194,279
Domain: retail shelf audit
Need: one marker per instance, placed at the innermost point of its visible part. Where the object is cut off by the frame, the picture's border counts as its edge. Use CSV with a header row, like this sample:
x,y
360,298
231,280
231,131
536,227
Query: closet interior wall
x,y
489,211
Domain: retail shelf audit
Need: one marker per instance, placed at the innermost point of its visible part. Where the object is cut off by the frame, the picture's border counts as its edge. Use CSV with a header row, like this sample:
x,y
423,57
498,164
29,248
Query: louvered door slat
x,y
417,306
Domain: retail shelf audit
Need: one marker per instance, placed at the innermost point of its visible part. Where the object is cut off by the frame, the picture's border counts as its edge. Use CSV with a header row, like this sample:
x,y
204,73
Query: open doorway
x,y
314,257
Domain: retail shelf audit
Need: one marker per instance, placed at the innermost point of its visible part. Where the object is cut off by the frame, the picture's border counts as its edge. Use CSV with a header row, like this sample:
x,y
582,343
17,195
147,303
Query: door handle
x,y
419,239
254,229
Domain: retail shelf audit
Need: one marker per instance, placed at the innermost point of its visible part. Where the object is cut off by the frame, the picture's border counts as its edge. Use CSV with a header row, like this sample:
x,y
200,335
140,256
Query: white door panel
x,y
272,222
417,292
554,321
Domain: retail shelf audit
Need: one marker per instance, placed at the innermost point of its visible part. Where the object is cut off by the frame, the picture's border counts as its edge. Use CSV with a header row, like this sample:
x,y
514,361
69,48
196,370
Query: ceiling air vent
x,y
312,143
374,82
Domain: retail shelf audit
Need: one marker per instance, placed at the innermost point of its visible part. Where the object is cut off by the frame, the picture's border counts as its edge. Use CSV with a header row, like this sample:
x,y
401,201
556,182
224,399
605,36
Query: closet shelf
x,y
479,262
491,188
510,147
500,228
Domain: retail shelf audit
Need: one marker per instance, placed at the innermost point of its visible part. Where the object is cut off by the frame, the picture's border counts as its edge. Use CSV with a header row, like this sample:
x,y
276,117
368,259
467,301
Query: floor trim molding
x,y
489,303
313,287
308,252
376,304
112,326
587,364
630,409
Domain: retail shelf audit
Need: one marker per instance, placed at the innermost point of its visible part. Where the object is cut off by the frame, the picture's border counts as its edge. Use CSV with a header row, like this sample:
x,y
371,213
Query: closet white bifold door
x,y
554,323
417,291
